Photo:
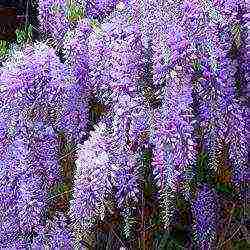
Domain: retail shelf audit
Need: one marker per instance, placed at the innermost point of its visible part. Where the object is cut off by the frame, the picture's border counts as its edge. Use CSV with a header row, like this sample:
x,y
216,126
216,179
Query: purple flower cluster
x,y
195,73
99,8
204,210
30,165
54,235
221,114
116,55
76,52
101,168
92,179
173,137
52,17
36,103
40,88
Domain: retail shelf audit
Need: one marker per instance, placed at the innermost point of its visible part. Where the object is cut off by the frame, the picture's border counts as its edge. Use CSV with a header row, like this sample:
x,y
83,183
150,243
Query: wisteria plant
x,y
124,126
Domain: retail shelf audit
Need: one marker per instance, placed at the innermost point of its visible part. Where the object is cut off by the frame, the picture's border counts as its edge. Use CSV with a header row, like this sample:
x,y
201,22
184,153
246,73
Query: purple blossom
x,y
47,94
31,202
173,136
99,8
216,94
104,163
237,140
115,55
76,52
204,210
9,221
52,17
45,150
55,235
131,120
92,180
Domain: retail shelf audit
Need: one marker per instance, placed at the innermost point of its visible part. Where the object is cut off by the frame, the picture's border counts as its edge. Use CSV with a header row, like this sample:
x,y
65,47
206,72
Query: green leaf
x,y
197,66
21,35
75,12
241,245
201,167
29,32
59,189
3,47
221,187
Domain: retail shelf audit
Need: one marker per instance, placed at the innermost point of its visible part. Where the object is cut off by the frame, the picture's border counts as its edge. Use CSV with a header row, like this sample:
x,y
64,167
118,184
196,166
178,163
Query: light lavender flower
x,y
92,180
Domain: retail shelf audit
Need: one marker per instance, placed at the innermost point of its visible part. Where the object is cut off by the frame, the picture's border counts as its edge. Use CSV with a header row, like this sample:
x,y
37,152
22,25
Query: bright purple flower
x,y
173,137
131,120
237,140
31,202
9,221
215,92
52,17
116,55
99,8
76,52
55,235
204,210
45,152
37,86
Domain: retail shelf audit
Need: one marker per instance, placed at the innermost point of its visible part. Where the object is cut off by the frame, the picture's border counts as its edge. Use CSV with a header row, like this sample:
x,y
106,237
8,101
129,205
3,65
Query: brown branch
x,y
236,231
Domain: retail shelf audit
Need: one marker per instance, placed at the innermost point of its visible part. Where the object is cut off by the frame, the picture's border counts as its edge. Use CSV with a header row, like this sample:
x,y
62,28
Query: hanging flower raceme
x,y
99,8
204,211
36,102
76,52
215,92
174,132
115,55
39,87
55,234
92,180
173,138
31,161
174,120
53,17
27,179
104,164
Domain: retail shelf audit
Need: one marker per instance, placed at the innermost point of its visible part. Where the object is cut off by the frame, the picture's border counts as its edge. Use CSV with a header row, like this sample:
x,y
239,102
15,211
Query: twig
x,y
64,156
230,219
117,237
151,227
27,13
66,192
229,223
236,231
